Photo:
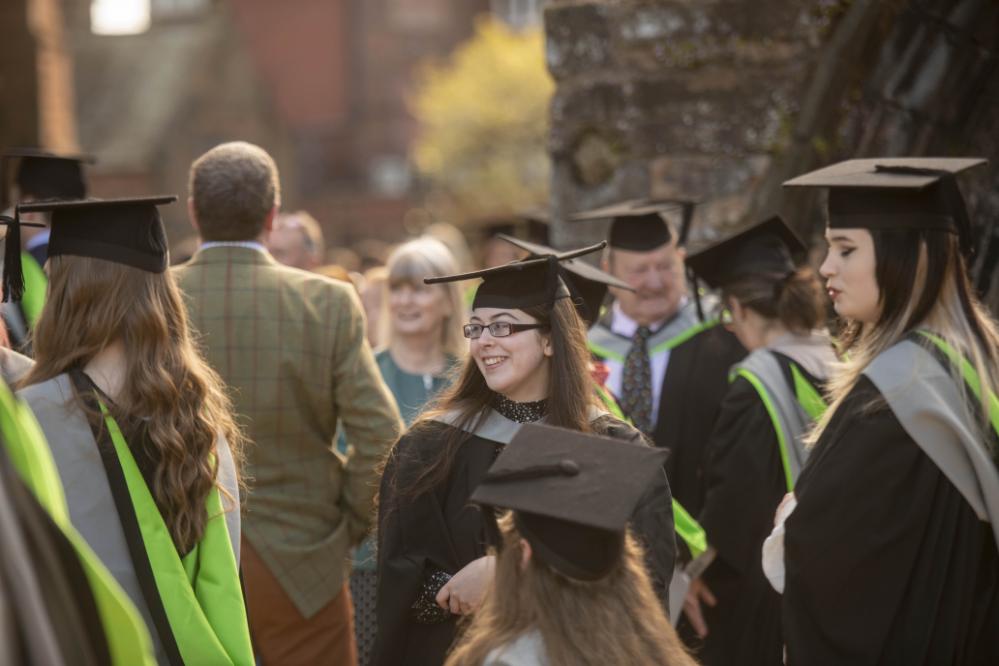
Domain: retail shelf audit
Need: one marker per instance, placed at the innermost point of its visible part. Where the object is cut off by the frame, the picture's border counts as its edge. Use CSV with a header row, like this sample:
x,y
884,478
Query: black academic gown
x,y
694,386
51,574
886,563
440,531
745,484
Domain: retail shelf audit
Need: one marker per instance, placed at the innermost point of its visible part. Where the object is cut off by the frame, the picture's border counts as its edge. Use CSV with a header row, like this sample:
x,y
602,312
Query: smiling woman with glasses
x,y
527,362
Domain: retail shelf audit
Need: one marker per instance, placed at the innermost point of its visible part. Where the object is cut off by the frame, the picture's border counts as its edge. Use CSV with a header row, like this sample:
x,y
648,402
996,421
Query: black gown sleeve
x,y
745,479
413,548
652,522
885,561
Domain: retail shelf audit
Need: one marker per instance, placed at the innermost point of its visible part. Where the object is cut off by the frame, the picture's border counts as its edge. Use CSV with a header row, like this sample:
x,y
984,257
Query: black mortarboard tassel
x,y
13,276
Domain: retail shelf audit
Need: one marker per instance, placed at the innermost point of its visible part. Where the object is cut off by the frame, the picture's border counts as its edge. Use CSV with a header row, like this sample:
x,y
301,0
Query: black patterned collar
x,y
521,412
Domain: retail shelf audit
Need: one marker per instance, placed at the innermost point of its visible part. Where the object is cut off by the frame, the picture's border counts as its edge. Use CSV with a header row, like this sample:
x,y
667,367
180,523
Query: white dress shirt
x,y
624,325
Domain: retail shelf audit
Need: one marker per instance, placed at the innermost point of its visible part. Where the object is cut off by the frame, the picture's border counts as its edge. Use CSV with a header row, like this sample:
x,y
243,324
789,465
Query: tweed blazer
x,y
291,347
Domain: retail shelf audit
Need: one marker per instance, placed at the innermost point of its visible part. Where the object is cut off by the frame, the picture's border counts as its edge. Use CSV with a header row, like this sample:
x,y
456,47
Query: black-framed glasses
x,y
497,329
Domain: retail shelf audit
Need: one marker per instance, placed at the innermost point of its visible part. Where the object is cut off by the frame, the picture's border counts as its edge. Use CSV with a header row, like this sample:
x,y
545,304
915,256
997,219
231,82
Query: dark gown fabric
x,y
440,530
745,484
695,384
886,563
59,578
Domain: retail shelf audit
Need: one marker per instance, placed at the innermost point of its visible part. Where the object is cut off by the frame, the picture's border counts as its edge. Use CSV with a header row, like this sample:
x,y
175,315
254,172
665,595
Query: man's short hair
x,y
234,186
312,233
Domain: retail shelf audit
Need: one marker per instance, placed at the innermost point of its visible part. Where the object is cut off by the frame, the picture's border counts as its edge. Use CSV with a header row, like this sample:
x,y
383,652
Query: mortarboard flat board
x,y
520,284
573,494
637,224
769,247
897,193
587,284
47,175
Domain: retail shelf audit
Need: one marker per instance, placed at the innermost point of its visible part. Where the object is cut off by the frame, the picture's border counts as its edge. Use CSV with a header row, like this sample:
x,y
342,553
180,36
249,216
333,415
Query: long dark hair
x,y
923,281
570,393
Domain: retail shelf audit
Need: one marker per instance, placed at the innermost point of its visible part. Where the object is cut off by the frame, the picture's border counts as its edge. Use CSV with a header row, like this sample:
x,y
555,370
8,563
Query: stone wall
x,y
674,98
721,101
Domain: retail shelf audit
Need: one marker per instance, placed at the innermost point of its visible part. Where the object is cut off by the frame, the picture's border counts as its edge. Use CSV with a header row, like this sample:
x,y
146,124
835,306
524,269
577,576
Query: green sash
x,y
196,601
35,287
687,528
200,592
125,632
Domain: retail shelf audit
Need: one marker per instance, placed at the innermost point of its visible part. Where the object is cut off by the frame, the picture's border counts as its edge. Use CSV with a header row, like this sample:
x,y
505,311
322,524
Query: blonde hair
x,y
409,264
180,399
615,620
923,282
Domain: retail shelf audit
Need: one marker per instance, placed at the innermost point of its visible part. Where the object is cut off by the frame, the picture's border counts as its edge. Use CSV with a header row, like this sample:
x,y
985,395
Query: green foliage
x,y
483,122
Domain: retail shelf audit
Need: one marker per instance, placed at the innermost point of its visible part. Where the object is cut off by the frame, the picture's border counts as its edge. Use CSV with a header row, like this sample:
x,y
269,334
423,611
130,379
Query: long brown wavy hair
x,y
168,386
570,392
615,620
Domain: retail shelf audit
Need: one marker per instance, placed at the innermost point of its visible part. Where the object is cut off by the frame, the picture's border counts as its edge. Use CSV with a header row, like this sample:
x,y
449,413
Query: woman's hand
x,y
696,593
463,593
788,498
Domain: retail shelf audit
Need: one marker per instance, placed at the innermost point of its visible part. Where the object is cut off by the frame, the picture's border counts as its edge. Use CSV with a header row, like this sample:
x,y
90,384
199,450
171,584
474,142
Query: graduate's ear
x,y
525,554
546,345
192,215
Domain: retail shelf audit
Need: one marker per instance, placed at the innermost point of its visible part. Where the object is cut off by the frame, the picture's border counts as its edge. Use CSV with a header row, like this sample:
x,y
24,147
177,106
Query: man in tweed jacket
x,y
291,347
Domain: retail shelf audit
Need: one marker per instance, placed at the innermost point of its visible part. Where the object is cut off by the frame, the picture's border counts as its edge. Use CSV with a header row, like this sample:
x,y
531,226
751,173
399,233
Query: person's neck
x,y
418,354
772,333
107,369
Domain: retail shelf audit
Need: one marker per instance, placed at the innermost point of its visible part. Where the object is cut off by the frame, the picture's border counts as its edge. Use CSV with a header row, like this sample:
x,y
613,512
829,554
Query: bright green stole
x,y
125,632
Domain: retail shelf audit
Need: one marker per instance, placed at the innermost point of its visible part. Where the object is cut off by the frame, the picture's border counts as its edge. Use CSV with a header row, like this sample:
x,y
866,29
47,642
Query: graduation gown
x,y
92,509
694,385
440,531
886,562
745,484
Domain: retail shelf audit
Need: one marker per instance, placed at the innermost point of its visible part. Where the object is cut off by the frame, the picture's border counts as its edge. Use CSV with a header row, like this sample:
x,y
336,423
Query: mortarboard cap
x,y
768,248
587,284
902,193
47,175
572,493
124,231
638,225
520,284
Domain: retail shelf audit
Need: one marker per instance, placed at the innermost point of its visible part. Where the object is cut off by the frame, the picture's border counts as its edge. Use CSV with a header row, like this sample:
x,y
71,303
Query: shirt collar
x,y
39,239
251,245
624,325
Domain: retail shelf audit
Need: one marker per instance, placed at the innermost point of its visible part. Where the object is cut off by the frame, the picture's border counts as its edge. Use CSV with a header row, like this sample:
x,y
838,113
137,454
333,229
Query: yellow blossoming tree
x,y
483,123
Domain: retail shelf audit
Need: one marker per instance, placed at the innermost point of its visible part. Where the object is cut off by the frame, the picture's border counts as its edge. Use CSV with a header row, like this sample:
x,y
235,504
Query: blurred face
x,y
417,309
657,278
849,271
518,365
288,247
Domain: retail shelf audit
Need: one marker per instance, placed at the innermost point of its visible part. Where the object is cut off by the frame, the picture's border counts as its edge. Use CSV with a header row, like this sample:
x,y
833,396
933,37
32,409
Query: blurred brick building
x,y
321,84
